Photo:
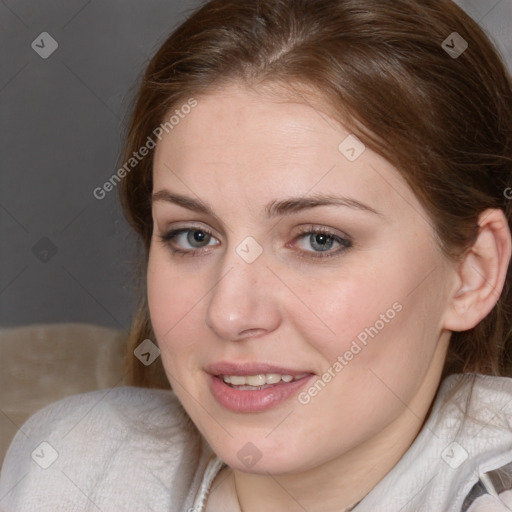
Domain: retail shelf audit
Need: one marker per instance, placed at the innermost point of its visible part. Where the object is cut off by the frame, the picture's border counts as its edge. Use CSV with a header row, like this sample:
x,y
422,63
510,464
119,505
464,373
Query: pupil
x,y
321,242
199,236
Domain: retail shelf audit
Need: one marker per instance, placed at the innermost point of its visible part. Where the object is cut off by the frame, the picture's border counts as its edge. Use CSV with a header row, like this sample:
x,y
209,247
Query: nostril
x,y
252,333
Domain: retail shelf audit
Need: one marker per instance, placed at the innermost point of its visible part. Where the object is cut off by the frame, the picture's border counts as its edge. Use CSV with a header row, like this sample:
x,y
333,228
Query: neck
x,y
338,485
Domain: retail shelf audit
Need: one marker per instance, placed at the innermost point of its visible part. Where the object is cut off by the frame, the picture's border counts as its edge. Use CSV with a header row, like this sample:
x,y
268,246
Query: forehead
x,y
242,143
236,120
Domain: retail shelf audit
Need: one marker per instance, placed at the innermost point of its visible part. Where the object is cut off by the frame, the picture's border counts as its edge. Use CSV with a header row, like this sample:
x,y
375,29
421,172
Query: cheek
x,y
174,303
371,318
341,308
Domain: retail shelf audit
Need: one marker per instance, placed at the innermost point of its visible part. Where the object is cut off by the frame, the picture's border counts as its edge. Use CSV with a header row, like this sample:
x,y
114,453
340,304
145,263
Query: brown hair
x,y
445,122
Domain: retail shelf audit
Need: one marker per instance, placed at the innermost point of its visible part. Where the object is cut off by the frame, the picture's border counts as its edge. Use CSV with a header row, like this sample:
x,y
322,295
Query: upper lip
x,y
252,368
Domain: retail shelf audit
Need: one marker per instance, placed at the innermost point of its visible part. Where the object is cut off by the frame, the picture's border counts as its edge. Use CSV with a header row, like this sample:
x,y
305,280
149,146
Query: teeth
x,y
261,379
256,380
236,380
272,378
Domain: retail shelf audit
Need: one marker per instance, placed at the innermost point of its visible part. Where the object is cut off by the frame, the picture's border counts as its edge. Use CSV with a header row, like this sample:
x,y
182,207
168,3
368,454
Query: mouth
x,y
259,381
249,388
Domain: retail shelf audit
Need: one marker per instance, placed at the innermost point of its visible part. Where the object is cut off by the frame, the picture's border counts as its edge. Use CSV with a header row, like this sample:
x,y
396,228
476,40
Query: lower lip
x,y
258,400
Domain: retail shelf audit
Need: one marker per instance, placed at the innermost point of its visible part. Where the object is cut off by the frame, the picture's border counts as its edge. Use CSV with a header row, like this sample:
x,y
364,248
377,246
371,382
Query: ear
x,y
481,273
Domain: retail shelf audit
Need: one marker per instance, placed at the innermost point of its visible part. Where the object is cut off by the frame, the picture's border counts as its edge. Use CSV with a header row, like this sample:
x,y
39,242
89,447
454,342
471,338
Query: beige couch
x,y
40,364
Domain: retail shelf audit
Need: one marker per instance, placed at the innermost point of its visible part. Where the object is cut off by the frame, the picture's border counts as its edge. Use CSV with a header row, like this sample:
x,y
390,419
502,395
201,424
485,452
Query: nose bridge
x,y
241,300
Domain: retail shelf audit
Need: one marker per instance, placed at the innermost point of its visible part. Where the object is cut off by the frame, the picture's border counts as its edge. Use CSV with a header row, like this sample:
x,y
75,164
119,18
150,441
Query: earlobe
x,y
481,273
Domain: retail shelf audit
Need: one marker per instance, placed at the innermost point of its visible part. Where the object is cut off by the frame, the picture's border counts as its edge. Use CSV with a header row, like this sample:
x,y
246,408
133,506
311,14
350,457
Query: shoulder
x,y
476,412
492,384
109,415
113,446
478,417
111,401
477,395
479,382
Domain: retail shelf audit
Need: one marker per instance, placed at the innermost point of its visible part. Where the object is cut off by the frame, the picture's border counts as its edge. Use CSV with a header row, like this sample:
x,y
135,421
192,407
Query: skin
x,y
237,152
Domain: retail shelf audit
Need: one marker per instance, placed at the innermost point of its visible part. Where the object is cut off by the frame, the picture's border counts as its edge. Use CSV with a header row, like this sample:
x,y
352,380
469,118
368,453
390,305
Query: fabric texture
x,y
41,364
122,449
135,449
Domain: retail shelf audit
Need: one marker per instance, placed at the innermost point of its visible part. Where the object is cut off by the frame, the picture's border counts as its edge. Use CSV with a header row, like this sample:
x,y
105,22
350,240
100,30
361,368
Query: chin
x,y
249,457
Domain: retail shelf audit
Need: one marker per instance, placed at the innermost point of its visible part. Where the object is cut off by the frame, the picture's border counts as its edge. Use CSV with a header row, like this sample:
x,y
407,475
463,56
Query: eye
x,y
188,240
315,242
320,242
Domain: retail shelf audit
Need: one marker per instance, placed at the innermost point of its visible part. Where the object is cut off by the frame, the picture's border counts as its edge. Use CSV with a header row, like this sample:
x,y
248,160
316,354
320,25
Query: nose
x,y
243,302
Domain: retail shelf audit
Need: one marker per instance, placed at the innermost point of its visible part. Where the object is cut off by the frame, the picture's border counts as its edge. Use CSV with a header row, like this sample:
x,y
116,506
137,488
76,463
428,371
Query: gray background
x,y
64,255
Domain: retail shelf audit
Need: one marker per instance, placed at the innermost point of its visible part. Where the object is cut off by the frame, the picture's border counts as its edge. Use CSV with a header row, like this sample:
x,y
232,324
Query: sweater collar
x,y
466,434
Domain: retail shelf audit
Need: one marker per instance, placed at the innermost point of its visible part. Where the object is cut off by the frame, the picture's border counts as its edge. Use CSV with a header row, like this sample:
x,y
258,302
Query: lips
x,y
250,399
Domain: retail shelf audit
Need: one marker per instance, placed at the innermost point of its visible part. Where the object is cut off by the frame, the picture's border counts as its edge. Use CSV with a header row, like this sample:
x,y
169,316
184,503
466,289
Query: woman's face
x,y
283,249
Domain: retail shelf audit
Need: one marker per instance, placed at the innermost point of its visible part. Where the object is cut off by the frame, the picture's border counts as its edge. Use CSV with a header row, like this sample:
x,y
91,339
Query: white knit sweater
x,y
131,449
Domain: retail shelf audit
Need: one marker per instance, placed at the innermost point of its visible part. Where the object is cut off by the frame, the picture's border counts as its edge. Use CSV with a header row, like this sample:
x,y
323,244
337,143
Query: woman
x,y
321,191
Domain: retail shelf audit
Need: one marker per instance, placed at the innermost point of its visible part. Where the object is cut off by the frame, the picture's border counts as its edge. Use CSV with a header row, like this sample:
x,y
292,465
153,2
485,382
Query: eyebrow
x,y
273,209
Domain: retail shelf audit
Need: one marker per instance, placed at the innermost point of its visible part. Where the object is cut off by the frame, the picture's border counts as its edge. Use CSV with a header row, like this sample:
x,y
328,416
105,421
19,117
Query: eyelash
x,y
345,243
